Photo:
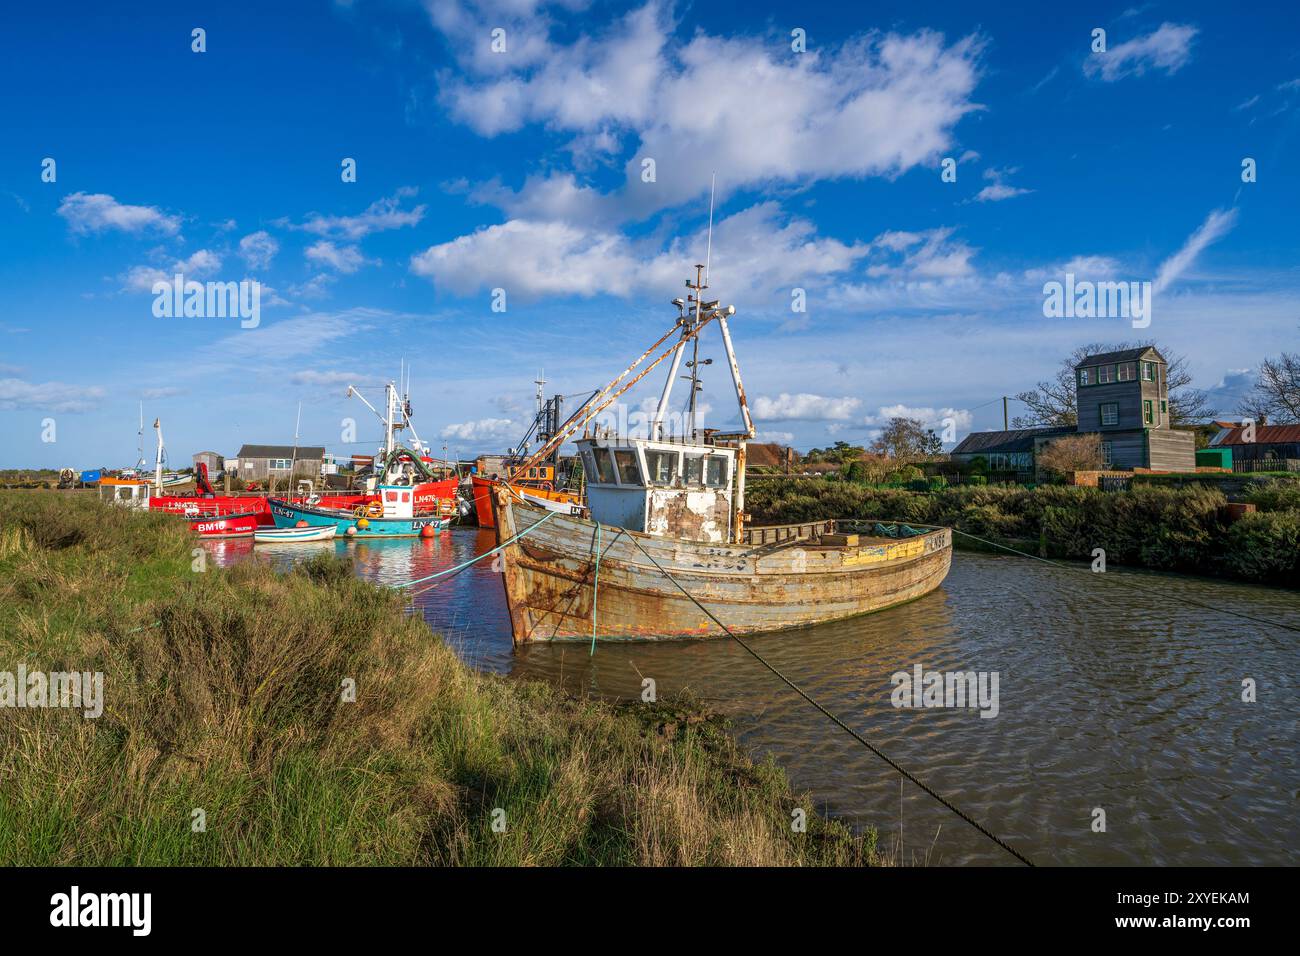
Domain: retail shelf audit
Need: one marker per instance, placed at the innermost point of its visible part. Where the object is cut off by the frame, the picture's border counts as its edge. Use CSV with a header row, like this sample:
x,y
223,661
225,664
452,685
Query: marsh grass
x,y
224,693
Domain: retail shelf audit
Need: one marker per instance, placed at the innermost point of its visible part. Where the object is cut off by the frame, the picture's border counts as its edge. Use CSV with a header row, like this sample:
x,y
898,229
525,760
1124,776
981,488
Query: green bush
x,y
1265,547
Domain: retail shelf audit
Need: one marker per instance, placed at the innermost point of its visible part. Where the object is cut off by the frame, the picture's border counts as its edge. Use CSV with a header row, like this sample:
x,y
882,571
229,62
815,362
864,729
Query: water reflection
x,y
1129,700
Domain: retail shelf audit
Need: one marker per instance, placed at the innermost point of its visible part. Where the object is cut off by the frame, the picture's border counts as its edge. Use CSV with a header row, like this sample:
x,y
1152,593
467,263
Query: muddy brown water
x,y
1123,698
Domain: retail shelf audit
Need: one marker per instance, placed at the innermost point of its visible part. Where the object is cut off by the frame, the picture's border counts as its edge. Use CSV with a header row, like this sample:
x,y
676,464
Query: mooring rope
x,y
1119,579
944,801
465,564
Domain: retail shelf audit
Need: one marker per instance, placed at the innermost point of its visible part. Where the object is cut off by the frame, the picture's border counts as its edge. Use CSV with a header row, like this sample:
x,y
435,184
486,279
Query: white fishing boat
x,y
290,535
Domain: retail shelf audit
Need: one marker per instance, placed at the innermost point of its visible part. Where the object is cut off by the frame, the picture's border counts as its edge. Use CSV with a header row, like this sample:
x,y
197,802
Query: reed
x,y
224,693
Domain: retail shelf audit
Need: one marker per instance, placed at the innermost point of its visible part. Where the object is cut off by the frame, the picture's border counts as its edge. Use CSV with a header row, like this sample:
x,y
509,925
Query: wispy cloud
x,y
1217,224
18,394
88,213
380,215
1168,48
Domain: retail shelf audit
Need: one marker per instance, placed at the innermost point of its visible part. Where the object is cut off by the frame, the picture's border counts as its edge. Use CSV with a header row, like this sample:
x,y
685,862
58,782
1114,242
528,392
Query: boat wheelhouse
x,y
666,488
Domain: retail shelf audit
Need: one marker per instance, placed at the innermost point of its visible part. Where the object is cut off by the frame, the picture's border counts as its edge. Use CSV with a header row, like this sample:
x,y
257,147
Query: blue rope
x,y
465,564
595,592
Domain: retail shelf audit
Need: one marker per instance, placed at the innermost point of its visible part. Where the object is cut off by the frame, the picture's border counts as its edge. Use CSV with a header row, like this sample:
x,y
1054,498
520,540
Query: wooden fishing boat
x,y
291,535
665,535
393,516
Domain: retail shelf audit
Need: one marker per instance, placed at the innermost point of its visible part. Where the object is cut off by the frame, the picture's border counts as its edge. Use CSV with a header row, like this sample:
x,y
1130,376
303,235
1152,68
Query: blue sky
x,y
523,170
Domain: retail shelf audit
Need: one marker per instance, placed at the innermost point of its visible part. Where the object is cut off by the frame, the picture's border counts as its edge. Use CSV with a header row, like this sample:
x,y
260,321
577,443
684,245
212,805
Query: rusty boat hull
x,y
551,571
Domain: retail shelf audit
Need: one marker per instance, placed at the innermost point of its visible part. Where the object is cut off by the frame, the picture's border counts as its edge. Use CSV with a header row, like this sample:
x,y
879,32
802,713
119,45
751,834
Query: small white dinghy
x,y
285,535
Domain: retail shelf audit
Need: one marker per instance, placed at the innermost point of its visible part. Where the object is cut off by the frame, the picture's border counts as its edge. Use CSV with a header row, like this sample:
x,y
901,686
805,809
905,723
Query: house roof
x,y
1123,355
1018,439
302,452
1264,435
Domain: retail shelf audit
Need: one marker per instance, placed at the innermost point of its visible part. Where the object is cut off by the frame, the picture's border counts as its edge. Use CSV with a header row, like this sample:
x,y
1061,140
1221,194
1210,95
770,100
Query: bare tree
x,y
1071,453
907,440
1052,403
1276,397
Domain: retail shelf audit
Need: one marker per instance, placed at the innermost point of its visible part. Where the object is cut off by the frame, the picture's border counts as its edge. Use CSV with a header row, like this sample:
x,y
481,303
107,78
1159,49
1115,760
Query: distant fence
x,y
1266,464
1115,482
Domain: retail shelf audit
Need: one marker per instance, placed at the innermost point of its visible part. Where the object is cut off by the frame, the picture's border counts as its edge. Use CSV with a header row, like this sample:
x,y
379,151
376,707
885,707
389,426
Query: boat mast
x,y
158,460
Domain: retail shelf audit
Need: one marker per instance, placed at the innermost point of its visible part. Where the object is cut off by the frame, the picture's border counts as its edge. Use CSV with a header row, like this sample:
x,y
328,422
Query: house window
x,y
1110,413
1148,371
628,472
279,464
1085,376
605,467
1127,371
1106,453
662,466
1105,374
1147,415
1164,407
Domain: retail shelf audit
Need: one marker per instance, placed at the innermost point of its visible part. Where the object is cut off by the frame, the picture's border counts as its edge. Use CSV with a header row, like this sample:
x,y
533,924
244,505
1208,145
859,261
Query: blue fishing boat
x,y
393,516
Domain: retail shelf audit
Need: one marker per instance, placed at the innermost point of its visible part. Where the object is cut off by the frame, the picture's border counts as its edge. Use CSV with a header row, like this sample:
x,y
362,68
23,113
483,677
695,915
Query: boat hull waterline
x,y
288,515
549,574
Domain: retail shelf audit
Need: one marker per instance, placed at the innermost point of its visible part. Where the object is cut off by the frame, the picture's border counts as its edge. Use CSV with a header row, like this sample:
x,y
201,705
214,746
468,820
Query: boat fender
x,y
361,523
351,532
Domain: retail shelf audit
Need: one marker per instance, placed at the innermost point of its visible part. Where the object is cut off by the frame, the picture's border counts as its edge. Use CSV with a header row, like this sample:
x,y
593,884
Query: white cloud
x,y
204,262
97,212
935,418
876,105
1169,48
380,215
1217,224
345,259
757,249
804,406
258,249
47,396
483,430
930,254
996,192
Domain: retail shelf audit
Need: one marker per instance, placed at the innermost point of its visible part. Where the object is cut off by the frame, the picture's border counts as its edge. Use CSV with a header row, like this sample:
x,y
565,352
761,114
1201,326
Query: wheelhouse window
x,y
715,471
1148,371
662,466
1110,413
605,467
628,472
1105,374
1127,371
1085,376
1148,415
693,469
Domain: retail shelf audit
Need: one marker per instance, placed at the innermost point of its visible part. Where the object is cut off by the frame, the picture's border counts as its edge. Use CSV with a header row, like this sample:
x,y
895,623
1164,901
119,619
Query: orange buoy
x,y
427,531
301,524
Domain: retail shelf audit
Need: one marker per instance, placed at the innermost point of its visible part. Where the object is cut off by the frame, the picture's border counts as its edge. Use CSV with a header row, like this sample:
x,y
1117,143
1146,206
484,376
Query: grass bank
x,y
223,694
1172,529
